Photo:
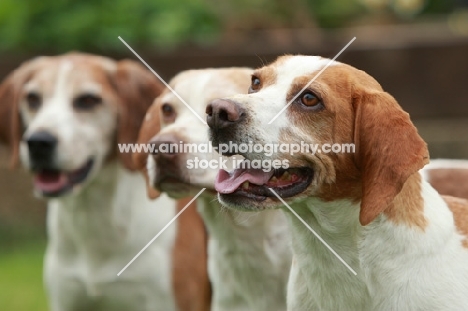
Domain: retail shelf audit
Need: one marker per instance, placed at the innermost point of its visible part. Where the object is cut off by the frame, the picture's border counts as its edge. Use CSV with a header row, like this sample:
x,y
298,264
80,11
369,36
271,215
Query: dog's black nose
x,y
222,113
42,146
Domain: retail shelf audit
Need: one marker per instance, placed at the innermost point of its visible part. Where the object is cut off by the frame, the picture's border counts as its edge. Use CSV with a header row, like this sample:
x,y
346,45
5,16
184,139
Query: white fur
x,y
93,235
410,269
95,231
249,258
319,281
398,267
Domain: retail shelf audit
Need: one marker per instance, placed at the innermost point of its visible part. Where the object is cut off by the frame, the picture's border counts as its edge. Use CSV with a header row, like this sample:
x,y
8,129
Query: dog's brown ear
x,y
10,96
137,88
10,128
149,128
389,150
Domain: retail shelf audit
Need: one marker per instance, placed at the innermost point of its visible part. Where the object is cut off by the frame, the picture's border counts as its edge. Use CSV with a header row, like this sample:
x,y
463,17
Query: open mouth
x,y
53,182
255,183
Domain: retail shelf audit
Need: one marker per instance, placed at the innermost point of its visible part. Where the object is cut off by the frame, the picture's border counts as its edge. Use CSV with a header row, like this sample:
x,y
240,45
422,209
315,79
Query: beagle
x,y
407,244
63,116
249,253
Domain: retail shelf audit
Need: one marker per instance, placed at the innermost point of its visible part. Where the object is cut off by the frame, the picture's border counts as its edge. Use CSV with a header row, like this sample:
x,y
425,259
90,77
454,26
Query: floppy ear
x,y
149,128
389,150
10,93
10,127
137,88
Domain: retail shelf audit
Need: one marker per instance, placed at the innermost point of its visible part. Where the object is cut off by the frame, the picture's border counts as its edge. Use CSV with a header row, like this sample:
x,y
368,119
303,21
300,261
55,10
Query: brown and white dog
x,y
64,116
249,253
407,243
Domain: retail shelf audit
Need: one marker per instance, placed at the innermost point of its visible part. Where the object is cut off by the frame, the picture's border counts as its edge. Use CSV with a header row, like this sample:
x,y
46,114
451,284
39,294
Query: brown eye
x,y
34,100
86,101
310,100
168,112
255,85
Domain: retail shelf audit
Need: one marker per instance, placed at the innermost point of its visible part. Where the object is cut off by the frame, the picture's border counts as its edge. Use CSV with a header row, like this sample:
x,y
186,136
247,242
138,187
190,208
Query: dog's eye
x,y
309,99
255,85
86,101
167,112
34,100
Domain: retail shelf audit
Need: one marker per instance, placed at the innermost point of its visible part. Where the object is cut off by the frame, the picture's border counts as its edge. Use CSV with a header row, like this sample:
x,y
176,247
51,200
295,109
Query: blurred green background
x,y
62,25
416,48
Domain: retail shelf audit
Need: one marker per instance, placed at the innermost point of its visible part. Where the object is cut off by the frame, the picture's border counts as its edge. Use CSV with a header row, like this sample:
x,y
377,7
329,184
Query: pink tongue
x,y
50,181
228,183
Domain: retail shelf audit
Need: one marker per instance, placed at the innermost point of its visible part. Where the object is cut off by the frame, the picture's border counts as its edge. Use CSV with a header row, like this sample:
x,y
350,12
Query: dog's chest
x,y
91,240
248,264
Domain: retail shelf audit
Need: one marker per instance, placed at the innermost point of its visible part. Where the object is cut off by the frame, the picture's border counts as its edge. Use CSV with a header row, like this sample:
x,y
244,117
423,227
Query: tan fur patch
x,y
408,206
137,89
10,96
190,277
267,76
459,208
149,127
337,173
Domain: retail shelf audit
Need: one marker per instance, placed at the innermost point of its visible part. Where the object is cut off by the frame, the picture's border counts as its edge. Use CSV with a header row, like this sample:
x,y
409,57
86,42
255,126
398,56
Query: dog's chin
x,y
177,188
254,189
174,188
55,182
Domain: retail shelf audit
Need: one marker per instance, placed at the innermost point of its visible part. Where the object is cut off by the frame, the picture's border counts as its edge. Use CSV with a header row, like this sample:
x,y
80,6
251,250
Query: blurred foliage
x,y
61,25
21,285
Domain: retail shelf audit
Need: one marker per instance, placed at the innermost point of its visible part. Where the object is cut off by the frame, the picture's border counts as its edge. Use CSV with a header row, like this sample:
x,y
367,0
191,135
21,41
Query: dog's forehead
x,y
80,72
198,86
287,68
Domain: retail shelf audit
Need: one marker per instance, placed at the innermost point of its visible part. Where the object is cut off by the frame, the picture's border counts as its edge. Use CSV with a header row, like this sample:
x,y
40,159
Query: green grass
x,y
21,286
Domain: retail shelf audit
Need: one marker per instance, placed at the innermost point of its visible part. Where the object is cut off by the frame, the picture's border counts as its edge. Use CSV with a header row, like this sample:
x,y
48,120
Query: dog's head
x,y
169,122
343,107
64,116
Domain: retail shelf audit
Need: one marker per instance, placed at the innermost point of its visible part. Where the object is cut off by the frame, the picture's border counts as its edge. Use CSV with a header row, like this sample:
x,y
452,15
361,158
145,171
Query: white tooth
x,y
245,185
274,179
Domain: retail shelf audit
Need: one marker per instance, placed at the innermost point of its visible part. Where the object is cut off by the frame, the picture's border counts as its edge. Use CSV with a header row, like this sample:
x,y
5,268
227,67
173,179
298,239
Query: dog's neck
x,y
108,180
406,225
337,222
256,243
221,220
99,216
